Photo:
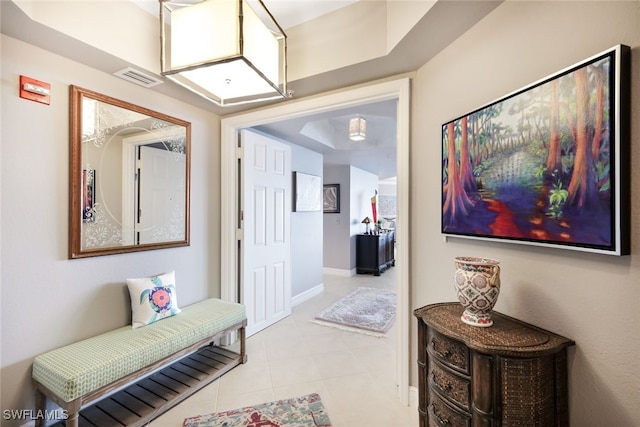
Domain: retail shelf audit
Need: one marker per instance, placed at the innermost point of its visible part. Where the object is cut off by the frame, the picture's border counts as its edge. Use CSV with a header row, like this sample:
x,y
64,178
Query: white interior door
x,y
266,206
161,195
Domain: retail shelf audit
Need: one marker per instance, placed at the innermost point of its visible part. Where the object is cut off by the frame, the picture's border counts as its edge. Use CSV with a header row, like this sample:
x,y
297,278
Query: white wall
x,y
47,300
306,230
388,187
592,299
356,189
337,249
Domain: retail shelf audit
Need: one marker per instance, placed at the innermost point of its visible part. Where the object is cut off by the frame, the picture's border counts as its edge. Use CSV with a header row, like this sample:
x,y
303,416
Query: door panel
x,y
280,296
259,216
258,286
280,220
266,251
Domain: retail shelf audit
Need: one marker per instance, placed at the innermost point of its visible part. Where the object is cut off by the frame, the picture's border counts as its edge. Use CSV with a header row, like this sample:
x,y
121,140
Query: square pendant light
x,y
357,129
228,51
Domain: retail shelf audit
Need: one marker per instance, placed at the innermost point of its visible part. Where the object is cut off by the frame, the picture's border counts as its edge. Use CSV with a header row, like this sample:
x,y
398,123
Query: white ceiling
x,y
328,133
288,13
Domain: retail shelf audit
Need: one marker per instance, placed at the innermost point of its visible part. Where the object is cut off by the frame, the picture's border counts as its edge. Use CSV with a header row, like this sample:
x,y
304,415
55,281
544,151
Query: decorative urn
x,y
477,284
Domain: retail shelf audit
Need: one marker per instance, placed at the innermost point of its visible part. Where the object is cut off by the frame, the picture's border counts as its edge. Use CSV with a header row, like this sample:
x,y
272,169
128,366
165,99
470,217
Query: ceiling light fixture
x,y
228,51
357,129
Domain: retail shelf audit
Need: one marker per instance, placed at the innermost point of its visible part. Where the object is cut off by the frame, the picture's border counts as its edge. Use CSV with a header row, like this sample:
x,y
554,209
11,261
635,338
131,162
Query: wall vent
x,y
137,77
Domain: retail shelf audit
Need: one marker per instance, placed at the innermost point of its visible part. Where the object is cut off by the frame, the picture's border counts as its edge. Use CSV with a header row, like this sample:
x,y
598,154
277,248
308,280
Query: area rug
x,y
303,411
368,311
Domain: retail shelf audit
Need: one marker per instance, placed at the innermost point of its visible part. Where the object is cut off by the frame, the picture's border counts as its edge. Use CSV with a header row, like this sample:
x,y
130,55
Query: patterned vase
x,y
477,283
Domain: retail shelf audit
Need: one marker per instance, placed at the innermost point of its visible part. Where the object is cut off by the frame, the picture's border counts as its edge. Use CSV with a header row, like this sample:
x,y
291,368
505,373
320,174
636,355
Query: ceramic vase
x,y
477,284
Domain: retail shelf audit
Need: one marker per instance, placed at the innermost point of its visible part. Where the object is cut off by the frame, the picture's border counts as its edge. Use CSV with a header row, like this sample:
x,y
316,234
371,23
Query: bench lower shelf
x,y
153,395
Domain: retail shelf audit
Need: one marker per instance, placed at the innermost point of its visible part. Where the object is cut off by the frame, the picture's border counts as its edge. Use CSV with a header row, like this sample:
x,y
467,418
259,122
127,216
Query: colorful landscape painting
x,y
537,166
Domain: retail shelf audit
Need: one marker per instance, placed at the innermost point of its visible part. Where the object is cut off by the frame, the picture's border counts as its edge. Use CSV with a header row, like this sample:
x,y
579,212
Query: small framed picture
x,y
331,198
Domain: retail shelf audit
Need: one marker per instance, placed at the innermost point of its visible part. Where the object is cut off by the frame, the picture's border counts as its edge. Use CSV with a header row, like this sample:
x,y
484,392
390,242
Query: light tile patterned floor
x,y
353,373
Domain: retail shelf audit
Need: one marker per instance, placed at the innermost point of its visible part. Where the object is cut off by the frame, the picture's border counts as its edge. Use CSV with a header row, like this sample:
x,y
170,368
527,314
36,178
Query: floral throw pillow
x,y
152,299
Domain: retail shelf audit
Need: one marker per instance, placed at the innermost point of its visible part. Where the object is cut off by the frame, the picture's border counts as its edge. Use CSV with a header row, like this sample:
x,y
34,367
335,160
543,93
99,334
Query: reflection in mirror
x,y
129,188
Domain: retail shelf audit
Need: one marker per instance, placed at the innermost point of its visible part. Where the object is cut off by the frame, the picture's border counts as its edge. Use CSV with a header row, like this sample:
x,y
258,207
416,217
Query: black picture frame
x,y
547,165
331,198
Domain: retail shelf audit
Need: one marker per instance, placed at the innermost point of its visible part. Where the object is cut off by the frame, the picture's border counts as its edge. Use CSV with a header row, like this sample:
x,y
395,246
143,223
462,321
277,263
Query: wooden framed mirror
x,y
129,177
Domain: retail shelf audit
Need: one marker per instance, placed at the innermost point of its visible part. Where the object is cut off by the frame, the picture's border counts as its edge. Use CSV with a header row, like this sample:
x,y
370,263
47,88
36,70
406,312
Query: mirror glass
x,y
129,186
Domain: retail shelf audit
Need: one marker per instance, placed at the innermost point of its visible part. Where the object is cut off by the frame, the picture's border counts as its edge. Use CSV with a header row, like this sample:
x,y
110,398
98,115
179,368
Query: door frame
x,y
230,126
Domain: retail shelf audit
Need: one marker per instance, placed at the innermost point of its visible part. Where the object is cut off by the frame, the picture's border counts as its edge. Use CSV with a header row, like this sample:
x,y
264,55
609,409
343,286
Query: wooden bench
x,y
76,376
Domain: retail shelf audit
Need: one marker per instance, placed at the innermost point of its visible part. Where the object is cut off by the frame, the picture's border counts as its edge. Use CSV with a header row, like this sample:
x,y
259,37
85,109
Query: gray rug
x,y
368,311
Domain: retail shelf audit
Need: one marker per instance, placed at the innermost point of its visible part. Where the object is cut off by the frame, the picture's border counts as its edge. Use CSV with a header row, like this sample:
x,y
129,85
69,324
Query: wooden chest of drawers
x,y
511,374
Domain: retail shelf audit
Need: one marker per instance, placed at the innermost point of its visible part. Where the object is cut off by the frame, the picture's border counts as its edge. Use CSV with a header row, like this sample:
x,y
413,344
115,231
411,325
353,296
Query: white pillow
x,y
152,299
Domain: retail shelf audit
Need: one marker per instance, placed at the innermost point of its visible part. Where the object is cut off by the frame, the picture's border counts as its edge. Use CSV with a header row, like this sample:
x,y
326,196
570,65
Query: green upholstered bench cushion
x,y
80,368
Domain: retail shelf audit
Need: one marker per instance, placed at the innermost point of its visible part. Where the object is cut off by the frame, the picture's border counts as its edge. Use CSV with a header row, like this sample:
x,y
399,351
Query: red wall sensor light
x,y
35,90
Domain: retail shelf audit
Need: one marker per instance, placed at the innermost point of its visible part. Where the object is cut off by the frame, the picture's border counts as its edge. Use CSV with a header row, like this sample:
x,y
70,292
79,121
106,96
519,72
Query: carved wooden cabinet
x,y
511,374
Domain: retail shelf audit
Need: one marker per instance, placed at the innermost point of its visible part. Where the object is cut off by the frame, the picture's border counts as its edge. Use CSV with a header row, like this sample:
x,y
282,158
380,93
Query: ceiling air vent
x,y
137,77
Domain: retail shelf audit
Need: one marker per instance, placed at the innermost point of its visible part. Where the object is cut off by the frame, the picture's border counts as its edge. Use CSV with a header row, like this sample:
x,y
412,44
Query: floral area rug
x,y
303,411
368,311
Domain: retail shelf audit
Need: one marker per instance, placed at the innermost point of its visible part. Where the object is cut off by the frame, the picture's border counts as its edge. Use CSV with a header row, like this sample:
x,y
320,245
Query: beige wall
x,y
590,298
47,300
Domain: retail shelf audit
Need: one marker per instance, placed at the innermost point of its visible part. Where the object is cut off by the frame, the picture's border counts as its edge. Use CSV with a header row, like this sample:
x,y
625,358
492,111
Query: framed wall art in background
x,y
331,198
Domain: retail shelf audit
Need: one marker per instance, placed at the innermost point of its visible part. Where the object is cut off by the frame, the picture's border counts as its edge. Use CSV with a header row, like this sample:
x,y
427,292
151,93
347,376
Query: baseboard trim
x,y
308,294
413,397
338,272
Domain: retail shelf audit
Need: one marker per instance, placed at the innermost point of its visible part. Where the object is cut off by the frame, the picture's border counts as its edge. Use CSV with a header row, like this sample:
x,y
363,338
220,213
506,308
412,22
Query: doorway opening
x,y
231,215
